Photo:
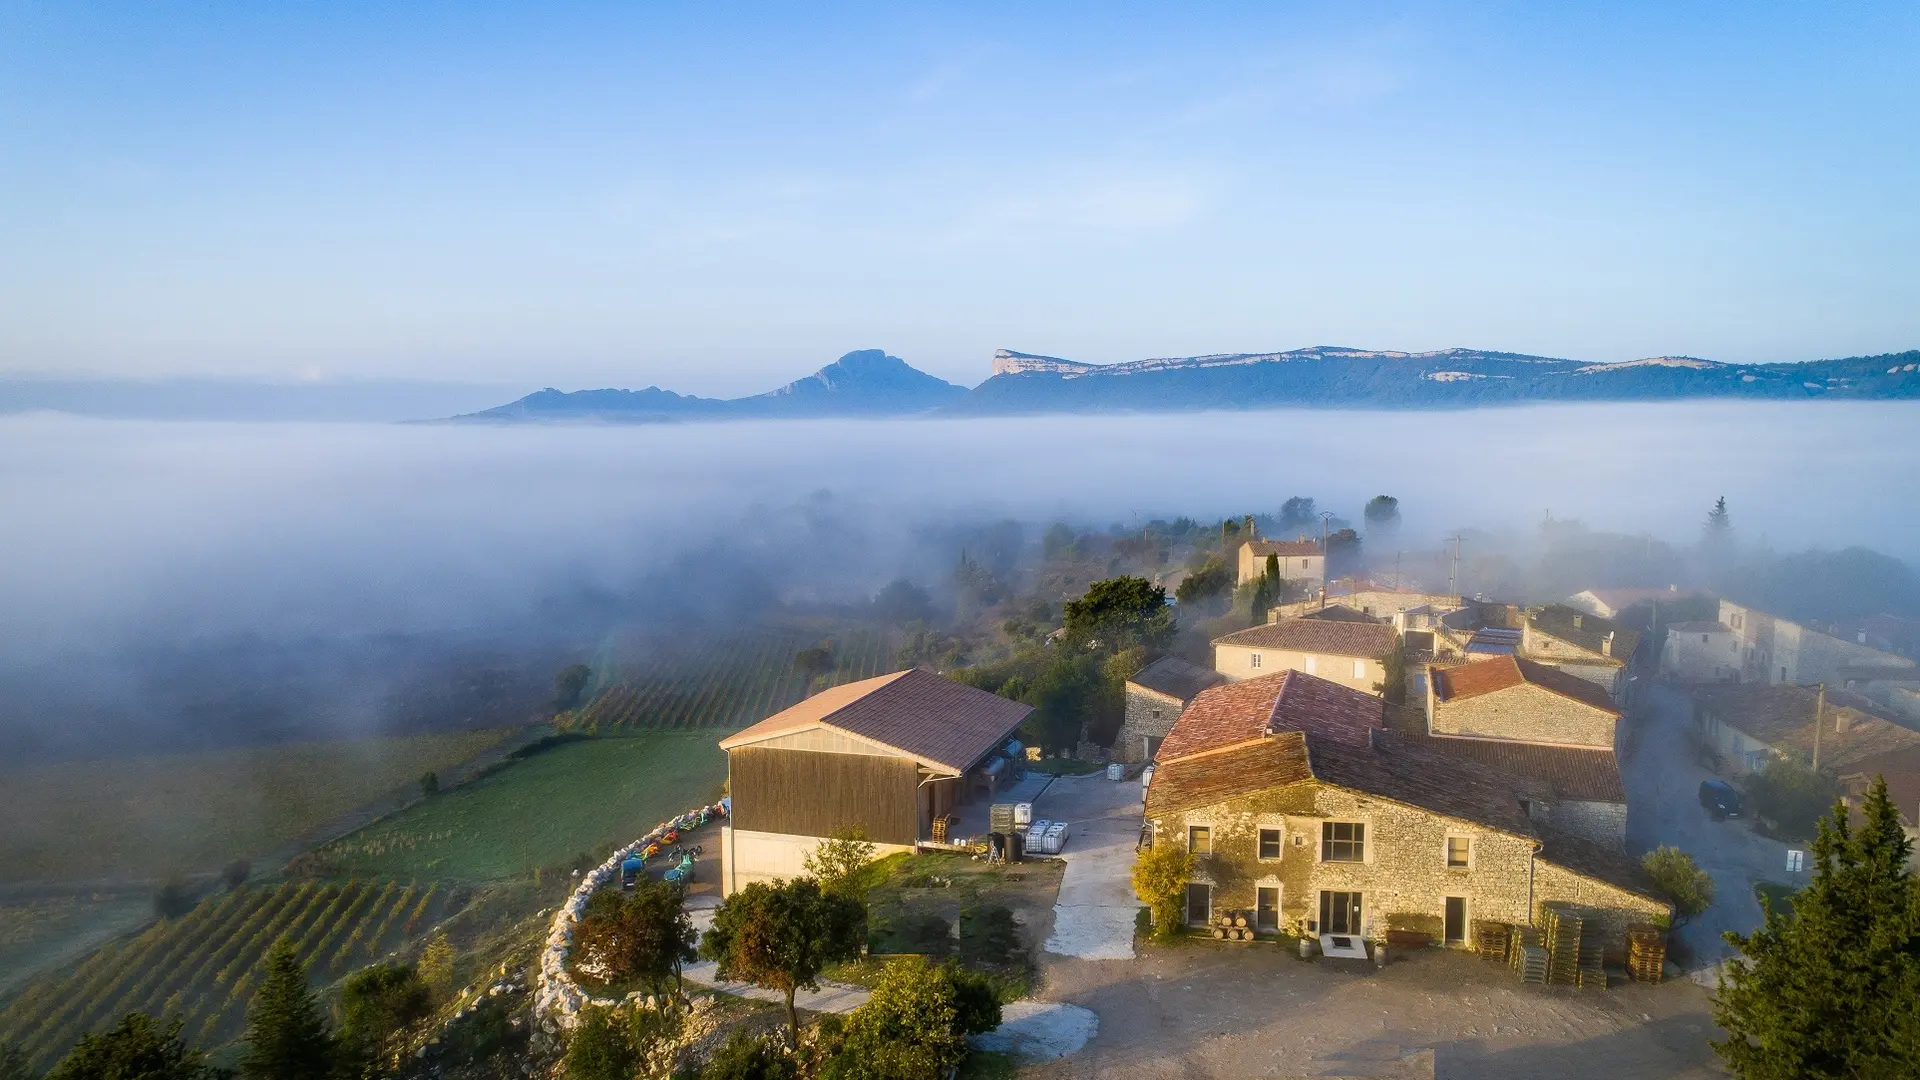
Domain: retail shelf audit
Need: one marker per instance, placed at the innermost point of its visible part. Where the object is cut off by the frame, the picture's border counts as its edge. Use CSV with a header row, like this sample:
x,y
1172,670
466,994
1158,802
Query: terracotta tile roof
x,y
1239,712
1176,678
924,716
1505,672
1591,632
1341,613
1191,782
1567,773
1264,548
1782,717
1369,641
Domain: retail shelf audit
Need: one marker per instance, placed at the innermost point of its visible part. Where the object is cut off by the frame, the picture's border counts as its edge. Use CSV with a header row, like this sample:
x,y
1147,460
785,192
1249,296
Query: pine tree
x,y
287,1039
1829,990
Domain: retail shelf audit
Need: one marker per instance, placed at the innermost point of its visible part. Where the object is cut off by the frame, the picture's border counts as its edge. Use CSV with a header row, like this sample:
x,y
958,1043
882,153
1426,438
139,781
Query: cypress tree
x,y
287,1039
1830,989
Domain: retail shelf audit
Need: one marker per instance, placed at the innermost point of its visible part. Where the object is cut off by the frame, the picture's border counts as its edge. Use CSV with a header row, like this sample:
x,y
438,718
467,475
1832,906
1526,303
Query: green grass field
x,y
578,797
143,817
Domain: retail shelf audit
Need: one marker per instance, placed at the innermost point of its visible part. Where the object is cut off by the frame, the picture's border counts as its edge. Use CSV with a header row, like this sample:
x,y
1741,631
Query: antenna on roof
x,y
1453,568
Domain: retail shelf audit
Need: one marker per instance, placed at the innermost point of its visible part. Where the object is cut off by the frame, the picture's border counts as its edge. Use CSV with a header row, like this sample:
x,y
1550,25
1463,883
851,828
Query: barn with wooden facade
x,y
886,756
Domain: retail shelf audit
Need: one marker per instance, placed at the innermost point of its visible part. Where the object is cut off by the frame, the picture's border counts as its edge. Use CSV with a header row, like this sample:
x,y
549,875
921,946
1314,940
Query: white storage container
x,y
1022,813
1116,771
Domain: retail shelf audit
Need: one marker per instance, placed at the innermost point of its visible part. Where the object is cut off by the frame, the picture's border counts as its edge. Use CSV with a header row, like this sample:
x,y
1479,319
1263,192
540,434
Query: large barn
x,y
886,756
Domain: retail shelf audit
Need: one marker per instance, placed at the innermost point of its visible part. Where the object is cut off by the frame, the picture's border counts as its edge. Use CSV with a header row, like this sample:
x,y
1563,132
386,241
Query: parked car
x,y
1721,799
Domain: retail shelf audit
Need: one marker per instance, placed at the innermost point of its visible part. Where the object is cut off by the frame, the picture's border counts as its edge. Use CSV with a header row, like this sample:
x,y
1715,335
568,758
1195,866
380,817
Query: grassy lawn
x,y
541,812
143,817
1778,895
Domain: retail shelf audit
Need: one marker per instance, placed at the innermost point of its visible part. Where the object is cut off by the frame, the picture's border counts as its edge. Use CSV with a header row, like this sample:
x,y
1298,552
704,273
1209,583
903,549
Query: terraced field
x,y
724,684
579,797
202,965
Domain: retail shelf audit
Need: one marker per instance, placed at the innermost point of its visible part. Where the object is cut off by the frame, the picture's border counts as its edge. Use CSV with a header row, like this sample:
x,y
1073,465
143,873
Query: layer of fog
x,y
274,543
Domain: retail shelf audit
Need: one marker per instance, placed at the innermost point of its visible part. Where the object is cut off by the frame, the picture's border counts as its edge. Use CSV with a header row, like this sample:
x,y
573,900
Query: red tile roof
x,y
1264,548
1286,701
1368,640
1505,672
924,716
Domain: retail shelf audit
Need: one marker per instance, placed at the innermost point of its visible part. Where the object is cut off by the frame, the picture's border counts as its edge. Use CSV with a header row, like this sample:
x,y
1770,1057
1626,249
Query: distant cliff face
x,y
1008,362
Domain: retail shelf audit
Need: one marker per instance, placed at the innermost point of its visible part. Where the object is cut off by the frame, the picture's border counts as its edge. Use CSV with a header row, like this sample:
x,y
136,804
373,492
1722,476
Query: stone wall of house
x,y
1715,659
1148,713
1599,822
1237,662
1609,677
1615,908
1528,713
1404,880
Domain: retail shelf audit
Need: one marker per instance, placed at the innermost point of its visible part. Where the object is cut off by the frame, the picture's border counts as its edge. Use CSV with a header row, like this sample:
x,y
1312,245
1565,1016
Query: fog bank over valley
x,y
210,582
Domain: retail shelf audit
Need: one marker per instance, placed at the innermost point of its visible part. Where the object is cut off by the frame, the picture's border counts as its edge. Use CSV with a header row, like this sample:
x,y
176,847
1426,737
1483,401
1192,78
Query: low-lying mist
x,y
153,567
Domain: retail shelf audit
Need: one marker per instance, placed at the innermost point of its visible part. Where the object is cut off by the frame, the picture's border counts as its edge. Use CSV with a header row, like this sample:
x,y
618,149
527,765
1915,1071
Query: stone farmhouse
x,y
1776,650
1301,562
1701,652
1585,646
886,755
1382,601
1304,807
1747,724
1155,696
1514,699
1351,654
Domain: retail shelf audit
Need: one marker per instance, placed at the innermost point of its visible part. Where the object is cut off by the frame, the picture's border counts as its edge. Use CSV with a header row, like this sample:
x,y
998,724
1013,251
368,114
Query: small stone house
x,y
1348,653
1301,561
1515,699
1747,724
1305,809
1701,652
1587,646
1155,696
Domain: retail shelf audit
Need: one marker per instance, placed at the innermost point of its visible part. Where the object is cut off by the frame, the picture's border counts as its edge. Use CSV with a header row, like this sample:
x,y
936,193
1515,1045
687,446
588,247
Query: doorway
x,y
1456,921
1266,908
1199,904
1340,912
1150,745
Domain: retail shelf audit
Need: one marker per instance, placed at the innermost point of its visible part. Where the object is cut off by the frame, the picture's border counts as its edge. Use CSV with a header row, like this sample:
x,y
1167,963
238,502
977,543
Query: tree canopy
x,y
1383,514
643,936
841,862
1687,887
377,1003
1828,991
1297,512
782,936
137,1048
1160,876
1120,612
569,685
287,1037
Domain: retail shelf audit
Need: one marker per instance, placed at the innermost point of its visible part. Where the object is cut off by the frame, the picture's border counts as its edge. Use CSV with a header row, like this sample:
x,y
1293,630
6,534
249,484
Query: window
x,y
1703,639
1343,841
1254,660
1266,907
1459,851
1359,669
1736,621
1312,663
1303,564
1156,714
1270,843
1200,839
1199,904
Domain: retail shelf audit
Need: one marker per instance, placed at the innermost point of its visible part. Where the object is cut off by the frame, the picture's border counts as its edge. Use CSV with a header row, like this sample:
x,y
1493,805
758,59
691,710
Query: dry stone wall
x,y
1526,713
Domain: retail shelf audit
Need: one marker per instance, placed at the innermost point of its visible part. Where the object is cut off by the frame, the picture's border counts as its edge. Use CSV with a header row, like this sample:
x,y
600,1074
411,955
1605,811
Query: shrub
x,y
599,1048
842,863
909,1029
1160,877
1687,887
746,1057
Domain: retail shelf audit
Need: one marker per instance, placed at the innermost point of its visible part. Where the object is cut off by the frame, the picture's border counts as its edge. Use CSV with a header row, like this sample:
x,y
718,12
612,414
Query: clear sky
x,y
719,198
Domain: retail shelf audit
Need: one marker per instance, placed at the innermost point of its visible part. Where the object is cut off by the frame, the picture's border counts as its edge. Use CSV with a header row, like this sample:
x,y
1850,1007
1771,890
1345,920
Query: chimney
x,y
1842,721
1273,615
1606,644
1863,637
1579,621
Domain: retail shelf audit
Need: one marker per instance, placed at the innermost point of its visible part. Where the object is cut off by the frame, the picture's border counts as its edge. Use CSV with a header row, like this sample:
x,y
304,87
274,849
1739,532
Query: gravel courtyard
x,y
1218,1010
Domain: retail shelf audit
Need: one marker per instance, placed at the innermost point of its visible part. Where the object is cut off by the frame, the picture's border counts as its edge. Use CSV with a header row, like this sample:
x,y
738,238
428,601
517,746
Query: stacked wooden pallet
x,y
1646,953
1527,956
1561,927
1490,939
1233,926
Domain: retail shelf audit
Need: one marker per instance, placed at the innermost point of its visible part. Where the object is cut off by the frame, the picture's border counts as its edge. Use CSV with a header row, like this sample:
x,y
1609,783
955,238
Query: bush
x,y
599,1048
172,898
1160,877
380,1001
1791,795
1687,887
746,1057
843,863
909,1029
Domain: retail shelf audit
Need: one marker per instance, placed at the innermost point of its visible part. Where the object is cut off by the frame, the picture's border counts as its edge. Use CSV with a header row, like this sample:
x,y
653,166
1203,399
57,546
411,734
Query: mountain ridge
x,y
874,383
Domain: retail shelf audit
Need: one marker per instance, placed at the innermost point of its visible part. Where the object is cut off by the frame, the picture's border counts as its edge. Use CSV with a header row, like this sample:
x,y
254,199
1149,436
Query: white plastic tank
x,y
1146,778
1116,771
1023,813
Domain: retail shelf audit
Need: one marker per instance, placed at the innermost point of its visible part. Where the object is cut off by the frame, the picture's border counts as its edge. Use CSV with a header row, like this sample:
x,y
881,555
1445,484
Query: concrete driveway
x,y
1663,777
1093,917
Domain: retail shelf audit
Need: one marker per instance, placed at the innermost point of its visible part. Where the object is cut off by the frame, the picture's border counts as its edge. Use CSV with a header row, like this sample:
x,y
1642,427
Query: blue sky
x,y
719,199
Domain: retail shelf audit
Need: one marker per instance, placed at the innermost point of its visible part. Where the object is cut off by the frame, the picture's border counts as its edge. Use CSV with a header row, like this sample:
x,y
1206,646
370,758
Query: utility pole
x,y
1396,571
1325,517
1819,711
